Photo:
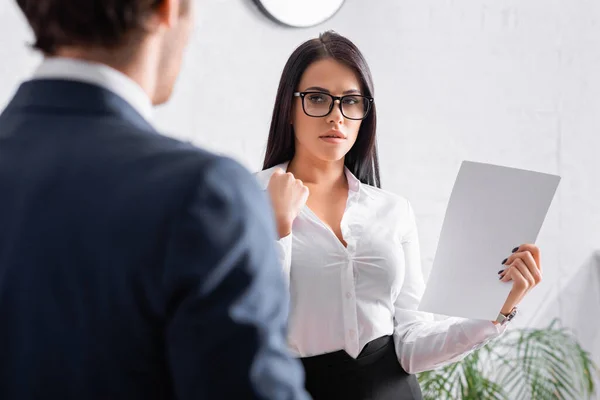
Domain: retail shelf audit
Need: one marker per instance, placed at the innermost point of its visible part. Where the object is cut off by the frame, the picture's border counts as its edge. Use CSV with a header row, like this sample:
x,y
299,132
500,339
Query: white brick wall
x,y
511,82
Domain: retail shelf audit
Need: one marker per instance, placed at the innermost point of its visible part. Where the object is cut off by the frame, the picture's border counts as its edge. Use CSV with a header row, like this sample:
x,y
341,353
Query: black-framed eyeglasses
x,y
320,104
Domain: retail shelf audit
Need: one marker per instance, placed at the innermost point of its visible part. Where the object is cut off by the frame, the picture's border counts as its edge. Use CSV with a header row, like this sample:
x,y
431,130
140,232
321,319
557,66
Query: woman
x,y
349,249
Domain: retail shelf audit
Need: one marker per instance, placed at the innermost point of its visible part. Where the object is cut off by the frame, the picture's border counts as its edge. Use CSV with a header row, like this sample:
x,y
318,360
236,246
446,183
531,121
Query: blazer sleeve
x,y
227,304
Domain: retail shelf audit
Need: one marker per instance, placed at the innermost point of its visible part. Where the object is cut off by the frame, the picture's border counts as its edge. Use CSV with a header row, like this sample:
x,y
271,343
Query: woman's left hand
x,y
524,269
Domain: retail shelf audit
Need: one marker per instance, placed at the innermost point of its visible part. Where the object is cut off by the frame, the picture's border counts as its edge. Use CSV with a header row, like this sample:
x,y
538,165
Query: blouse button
x,y
348,295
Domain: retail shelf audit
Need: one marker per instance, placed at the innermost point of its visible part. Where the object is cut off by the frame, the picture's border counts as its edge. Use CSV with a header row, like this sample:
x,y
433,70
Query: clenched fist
x,y
288,196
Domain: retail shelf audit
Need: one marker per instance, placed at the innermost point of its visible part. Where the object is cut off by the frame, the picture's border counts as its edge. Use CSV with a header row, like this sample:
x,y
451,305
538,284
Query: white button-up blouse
x,y
344,297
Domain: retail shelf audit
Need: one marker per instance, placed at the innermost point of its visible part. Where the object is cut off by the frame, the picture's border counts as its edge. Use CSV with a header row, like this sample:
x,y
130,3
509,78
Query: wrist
x,y
505,317
513,299
507,310
284,228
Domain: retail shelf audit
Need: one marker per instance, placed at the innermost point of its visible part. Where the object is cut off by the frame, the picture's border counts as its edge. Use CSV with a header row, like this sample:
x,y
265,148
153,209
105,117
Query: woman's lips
x,y
332,139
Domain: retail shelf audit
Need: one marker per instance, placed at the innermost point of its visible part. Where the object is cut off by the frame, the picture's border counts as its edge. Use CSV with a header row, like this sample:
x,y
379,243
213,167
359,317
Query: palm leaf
x,y
527,364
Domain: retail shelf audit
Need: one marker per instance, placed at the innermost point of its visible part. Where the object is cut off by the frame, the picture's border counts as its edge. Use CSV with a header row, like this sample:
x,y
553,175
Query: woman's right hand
x,y
288,196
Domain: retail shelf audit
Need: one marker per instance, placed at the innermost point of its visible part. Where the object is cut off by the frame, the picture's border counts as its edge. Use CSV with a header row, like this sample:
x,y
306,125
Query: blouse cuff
x,y
482,331
284,254
285,243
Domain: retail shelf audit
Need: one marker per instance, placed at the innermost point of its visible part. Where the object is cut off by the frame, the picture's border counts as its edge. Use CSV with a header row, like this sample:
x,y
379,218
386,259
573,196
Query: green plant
x,y
539,364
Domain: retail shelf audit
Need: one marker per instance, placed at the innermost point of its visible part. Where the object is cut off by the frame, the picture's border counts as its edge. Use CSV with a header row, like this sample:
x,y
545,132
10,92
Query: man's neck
x,y
133,65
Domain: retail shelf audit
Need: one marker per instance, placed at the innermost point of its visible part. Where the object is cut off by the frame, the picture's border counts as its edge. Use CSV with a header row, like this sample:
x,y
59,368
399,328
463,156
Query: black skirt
x,y
375,375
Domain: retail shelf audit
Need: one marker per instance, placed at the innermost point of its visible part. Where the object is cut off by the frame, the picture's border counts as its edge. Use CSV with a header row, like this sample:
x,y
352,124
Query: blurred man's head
x,y
143,38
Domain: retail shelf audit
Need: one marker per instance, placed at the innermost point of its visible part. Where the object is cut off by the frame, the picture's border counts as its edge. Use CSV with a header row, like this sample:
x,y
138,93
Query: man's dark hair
x,y
100,23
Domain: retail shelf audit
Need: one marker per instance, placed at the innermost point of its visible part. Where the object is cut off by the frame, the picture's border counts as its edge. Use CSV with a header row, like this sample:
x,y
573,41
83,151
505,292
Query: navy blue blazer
x,y
132,265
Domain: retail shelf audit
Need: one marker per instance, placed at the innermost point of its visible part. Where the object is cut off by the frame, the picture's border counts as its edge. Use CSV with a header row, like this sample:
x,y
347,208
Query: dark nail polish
x,y
500,277
501,271
505,260
515,249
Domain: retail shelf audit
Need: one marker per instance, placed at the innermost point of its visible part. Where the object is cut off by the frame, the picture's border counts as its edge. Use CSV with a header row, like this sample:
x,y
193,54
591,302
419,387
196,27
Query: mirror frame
x,y
263,9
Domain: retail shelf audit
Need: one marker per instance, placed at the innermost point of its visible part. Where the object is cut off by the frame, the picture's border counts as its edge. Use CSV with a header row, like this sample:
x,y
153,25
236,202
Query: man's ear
x,y
168,12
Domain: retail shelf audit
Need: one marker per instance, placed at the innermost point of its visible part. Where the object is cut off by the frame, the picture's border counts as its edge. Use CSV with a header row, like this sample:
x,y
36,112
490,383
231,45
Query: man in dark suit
x,y
132,266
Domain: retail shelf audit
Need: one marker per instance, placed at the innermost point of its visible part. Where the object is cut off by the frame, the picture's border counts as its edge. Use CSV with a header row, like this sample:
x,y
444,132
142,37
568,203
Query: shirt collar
x,y
353,182
100,75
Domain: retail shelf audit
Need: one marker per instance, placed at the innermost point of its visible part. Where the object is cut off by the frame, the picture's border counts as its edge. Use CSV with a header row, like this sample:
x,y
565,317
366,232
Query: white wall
x,y
509,82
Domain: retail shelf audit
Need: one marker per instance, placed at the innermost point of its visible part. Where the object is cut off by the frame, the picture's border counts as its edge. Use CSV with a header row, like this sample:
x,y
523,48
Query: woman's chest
x,y
373,257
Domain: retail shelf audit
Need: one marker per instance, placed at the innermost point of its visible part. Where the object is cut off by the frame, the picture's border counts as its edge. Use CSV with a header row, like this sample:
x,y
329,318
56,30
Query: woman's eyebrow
x,y
320,89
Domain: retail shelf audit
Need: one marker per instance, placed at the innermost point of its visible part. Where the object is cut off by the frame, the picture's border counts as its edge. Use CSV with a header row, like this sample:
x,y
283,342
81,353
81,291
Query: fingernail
x,y
500,277
505,260
501,271
515,249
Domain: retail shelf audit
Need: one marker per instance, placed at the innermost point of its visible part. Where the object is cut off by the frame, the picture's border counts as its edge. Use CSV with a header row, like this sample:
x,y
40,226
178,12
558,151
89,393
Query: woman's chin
x,y
332,157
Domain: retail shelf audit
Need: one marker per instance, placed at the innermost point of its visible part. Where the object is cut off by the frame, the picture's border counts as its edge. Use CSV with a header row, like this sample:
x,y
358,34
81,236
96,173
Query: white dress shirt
x,y
344,297
99,75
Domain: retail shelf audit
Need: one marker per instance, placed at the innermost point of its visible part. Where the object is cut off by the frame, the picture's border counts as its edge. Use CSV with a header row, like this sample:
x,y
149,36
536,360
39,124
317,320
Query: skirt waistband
x,y
373,351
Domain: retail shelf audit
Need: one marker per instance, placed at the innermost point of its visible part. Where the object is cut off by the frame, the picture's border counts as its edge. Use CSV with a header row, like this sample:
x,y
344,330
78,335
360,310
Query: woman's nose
x,y
336,113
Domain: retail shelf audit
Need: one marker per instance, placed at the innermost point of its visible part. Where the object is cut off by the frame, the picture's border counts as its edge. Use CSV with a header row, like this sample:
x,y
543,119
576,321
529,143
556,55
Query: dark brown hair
x,y
362,158
101,23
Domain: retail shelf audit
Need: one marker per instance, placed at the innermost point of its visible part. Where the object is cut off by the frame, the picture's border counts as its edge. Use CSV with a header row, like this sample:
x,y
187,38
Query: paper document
x,y
492,209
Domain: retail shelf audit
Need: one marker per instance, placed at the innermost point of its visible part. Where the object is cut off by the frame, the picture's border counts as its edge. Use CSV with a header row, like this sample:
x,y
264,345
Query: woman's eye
x,y
317,98
351,100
